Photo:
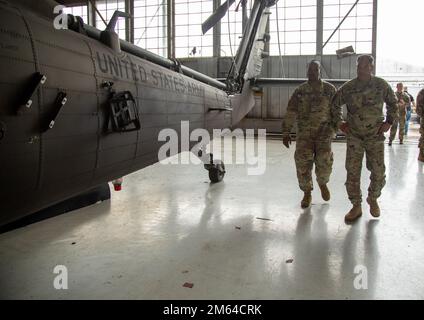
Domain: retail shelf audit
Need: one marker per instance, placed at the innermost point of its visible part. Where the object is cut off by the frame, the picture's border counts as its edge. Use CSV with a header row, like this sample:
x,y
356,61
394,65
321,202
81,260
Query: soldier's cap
x,y
368,56
315,62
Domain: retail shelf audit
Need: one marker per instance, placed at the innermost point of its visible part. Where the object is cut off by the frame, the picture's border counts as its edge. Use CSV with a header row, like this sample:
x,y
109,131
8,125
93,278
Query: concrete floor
x,y
169,226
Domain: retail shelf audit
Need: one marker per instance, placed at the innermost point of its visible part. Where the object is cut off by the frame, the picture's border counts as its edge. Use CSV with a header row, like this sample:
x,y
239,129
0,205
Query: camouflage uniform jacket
x,y
310,106
364,101
404,96
420,103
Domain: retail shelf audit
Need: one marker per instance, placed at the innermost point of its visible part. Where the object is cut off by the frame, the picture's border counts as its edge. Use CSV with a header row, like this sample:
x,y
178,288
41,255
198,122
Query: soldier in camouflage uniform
x,y
403,101
310,107
364,97
420,113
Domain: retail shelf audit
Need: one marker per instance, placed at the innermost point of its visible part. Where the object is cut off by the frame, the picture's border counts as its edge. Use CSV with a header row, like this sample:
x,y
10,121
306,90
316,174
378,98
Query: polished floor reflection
x,y
245,238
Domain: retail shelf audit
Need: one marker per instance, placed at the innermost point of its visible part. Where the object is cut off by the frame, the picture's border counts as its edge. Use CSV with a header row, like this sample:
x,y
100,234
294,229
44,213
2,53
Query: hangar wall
x,y
272,106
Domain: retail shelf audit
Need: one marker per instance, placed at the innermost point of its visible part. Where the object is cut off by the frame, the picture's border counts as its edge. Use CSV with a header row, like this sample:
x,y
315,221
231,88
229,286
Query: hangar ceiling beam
x,y
320,27
374,32
170,28
216,32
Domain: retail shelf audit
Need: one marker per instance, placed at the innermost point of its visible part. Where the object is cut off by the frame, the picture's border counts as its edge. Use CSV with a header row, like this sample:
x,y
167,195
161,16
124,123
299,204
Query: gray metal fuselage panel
x,y
41,169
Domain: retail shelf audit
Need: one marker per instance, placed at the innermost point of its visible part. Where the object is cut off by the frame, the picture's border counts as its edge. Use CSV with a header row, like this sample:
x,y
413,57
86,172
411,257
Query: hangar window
x,y
189,16
297,20
150,23
355,31
80,11
106,9
232,29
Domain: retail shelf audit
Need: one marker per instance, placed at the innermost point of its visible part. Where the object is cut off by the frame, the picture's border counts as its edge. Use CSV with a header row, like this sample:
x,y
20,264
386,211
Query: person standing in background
x,y
403,101
420,113
409,109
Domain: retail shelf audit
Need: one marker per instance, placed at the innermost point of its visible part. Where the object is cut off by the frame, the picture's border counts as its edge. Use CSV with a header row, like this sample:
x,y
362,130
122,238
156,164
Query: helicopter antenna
x,y
112,22
108,36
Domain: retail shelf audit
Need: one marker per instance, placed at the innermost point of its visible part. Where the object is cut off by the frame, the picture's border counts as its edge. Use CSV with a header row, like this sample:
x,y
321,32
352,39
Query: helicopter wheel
x,y
216,171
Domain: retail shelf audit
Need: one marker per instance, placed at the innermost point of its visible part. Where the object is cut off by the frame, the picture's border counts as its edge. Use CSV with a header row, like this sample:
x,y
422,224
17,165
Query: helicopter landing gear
x,y
216,168
216,171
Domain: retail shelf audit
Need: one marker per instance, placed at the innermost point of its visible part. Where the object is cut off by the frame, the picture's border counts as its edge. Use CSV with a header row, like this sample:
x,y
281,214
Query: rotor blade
x,y
216,16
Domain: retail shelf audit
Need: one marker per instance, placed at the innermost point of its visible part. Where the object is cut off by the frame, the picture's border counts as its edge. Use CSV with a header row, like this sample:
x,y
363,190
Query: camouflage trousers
x,y
398,123
310,152
374,152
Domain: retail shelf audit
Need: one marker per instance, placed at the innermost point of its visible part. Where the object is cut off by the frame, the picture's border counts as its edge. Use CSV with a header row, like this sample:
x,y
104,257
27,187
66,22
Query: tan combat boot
x,y
374,208
325,193
306,201
354,213
421,156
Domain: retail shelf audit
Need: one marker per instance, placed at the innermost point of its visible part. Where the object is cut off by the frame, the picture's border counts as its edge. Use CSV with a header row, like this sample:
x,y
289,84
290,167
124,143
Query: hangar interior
x,y
308,29
171,234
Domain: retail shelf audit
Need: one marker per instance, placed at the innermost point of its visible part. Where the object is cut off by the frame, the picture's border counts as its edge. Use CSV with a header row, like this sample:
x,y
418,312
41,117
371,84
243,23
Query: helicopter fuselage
x,y
42,164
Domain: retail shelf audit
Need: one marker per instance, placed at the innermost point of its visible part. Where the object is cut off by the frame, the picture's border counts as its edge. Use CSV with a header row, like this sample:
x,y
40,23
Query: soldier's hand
x,y
287,141
384,127
344,127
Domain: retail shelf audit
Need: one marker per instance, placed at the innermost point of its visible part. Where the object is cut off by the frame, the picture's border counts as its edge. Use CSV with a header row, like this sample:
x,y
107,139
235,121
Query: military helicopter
x,y
80,107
